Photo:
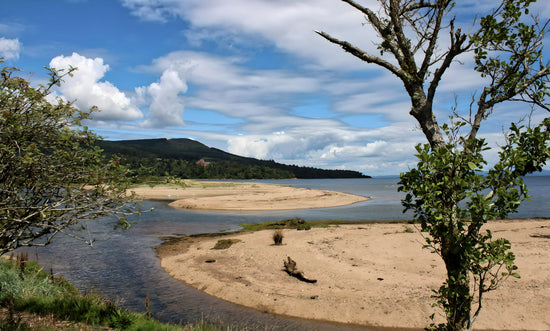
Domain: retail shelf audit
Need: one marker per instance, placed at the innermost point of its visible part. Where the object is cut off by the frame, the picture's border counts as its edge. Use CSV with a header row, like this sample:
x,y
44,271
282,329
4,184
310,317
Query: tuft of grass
x,y
31,291
225,243
278,237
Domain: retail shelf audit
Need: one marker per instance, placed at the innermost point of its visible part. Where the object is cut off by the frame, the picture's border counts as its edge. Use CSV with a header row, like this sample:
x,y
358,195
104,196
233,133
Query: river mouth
x,y
124,267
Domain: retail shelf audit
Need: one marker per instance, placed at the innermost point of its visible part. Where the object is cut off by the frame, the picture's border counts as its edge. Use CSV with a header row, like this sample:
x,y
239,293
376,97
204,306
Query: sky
x,y
250,77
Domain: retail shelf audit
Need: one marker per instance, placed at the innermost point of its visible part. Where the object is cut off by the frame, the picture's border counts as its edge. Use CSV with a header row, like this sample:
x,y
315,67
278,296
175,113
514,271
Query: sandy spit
x,y
235,196
367,274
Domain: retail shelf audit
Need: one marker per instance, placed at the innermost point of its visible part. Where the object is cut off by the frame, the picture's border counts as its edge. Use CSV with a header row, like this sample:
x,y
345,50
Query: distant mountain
x,y
169,156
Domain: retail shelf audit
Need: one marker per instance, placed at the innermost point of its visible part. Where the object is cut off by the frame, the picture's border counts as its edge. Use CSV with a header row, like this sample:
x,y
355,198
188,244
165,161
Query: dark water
x,y
125,267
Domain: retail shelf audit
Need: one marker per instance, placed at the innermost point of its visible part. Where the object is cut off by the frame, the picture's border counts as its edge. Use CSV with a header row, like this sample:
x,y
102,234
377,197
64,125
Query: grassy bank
x,y
33,299
300,224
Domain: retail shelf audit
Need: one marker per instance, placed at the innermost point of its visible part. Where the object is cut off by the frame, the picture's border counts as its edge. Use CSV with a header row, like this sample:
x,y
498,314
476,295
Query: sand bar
x,y
367,274
244,196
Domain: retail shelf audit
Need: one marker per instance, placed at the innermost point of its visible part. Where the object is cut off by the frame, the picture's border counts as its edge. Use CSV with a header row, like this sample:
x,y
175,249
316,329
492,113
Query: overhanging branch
x,y
365,56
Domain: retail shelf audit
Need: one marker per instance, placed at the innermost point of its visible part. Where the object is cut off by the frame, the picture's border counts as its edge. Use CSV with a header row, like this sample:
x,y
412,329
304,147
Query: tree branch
x,y
359,53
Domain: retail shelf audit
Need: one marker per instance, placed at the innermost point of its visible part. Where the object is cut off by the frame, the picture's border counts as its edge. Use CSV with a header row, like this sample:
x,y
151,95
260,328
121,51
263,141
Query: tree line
x,y
147,168
180,158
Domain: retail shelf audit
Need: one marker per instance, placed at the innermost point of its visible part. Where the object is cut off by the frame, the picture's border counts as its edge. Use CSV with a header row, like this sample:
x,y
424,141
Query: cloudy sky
x,y
247,76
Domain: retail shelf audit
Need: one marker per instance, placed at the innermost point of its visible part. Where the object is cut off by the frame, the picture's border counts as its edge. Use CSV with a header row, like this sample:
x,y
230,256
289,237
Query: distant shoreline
x,y
243,196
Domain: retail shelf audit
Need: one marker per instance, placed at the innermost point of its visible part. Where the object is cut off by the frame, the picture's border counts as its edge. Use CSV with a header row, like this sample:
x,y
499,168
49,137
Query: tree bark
x,y
458,305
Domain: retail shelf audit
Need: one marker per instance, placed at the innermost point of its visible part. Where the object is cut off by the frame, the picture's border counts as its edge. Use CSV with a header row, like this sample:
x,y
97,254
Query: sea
x,y
122,265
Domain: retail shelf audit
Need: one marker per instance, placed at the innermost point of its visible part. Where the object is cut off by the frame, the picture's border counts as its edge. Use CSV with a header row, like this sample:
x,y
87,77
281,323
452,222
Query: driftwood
x,y
290,268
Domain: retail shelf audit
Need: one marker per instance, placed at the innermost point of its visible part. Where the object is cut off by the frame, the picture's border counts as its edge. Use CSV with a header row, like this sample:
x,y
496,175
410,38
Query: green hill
x,y
179,157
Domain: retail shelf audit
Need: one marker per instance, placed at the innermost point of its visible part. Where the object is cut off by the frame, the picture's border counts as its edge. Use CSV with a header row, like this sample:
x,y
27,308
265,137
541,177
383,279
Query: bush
x,y
278,237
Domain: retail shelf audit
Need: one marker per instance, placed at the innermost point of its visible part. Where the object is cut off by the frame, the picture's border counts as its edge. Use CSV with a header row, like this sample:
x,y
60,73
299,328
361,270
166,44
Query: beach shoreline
x,y
243,196
367,274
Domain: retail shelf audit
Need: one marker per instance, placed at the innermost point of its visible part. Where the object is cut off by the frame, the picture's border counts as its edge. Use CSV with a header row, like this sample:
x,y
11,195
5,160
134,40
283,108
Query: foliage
x,y
154,169
30,281
447,192
35,291
52,176
178,158
453,199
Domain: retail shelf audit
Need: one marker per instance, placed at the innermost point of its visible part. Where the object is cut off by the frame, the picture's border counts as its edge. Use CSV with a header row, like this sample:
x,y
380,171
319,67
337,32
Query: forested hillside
x,y
186,158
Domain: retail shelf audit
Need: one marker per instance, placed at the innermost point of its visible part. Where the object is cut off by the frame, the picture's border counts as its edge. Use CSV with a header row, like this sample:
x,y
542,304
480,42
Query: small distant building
x,y
203,163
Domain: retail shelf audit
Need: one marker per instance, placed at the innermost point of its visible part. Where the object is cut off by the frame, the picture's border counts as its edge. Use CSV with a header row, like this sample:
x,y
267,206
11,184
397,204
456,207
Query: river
x,y
123,265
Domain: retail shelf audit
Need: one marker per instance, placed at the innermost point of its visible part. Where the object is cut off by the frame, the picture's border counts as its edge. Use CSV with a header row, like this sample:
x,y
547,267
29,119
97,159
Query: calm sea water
x,y
124,266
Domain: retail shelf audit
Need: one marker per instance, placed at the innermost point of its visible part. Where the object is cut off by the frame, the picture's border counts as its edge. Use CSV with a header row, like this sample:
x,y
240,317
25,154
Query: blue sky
x,y
247,76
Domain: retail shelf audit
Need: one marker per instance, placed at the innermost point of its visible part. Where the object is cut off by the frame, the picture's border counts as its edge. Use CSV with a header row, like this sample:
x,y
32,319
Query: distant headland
x,y
187,158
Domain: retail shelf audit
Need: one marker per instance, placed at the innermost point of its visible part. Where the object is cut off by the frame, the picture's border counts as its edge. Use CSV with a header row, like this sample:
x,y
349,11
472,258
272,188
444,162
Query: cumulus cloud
x,y
166,106
88,90
10,48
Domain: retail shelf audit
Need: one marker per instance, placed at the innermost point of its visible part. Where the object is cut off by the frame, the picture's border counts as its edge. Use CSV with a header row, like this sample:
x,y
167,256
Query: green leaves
x,y
52,177
508,50
453,199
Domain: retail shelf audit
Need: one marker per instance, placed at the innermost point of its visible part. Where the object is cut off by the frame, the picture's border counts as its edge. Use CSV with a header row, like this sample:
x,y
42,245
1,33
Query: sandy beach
x,y
367,274
243,196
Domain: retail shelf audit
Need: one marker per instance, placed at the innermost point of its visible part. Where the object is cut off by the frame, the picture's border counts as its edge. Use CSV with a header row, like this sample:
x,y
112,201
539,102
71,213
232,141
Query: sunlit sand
x,y
368,274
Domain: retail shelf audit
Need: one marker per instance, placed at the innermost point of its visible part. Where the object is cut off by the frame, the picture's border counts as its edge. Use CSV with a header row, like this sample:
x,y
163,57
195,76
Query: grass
x,y
225,243
292,223
33,299
300,224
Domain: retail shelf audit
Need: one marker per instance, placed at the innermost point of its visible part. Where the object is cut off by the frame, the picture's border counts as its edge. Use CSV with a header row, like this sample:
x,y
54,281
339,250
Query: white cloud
x,y
86,88
10,48
166,107
150,10
226,86
287,24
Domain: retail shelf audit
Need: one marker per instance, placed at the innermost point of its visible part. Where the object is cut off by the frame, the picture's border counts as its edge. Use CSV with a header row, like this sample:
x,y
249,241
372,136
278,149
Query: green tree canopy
x,y
52,177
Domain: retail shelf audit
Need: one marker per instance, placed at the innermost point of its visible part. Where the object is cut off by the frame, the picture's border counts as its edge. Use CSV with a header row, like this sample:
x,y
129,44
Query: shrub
x,y
278,237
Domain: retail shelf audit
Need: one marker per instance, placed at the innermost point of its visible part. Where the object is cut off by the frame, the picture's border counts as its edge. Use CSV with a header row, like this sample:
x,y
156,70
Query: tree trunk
x,y
457,295
421,110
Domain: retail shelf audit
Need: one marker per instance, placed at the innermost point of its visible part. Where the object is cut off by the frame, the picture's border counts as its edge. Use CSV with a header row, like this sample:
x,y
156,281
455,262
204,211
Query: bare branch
x,y
363,55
